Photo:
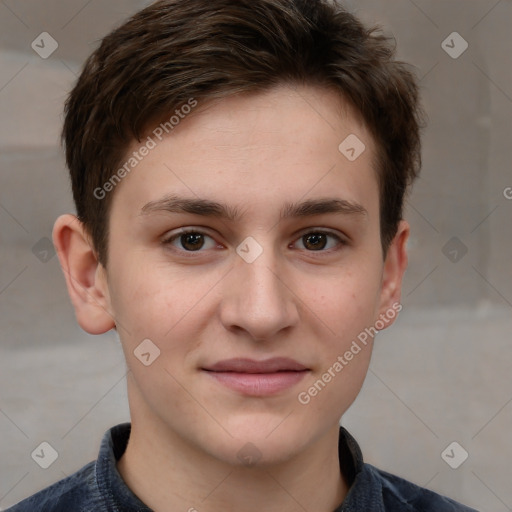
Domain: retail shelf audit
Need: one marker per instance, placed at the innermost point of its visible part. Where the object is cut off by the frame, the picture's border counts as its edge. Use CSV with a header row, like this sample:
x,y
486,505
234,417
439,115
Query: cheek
x,y
156,301
334,390
346,303
347,308
159,318
345,357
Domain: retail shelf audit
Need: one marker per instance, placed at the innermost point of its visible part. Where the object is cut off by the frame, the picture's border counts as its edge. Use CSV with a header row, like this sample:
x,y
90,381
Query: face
x,y
252,304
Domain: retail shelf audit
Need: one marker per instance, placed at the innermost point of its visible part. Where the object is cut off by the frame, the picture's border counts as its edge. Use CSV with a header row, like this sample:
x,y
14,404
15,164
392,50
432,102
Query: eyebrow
x,y
208,208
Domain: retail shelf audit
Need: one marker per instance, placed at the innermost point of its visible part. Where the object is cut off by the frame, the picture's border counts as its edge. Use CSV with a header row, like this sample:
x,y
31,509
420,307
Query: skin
x,y
254,153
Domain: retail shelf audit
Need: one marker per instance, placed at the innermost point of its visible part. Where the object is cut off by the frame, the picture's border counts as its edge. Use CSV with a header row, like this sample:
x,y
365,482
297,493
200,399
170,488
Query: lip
x,y
244,365
257,378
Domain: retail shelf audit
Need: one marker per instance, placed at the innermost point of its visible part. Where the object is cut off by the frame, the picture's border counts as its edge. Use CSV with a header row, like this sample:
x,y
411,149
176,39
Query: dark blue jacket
x,y
98,486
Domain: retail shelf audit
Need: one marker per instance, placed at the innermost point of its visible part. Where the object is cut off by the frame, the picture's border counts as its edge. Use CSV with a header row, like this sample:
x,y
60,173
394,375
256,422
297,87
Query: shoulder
x,y
401,495
77,492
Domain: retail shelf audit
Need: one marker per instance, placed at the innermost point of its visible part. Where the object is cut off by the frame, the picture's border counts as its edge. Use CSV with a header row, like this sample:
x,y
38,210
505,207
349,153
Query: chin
x,y
260,441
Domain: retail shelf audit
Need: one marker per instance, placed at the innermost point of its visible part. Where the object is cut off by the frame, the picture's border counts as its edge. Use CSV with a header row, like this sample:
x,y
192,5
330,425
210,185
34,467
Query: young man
x,y
239,170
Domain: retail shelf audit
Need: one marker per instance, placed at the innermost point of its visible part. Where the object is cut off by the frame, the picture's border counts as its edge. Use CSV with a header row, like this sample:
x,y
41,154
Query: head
x,y
284,136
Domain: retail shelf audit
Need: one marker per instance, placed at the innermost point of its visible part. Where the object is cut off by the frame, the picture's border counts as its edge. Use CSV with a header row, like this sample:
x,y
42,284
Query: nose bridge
x,y
258,301
261,282
258,263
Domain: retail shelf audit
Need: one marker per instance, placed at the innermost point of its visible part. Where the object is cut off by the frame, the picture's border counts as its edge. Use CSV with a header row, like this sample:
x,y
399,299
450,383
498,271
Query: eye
x,y
190,241
319,241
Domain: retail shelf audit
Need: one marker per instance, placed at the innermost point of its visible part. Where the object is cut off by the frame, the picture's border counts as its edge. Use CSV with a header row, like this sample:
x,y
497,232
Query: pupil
x,y
317,240
192,241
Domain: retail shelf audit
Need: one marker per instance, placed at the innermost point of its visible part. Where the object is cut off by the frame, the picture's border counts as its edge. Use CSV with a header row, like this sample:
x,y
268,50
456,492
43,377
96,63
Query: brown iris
x,y
192,241
315,241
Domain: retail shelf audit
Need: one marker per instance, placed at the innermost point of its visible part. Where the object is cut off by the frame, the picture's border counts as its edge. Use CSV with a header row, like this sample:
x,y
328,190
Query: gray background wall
x,y
440,374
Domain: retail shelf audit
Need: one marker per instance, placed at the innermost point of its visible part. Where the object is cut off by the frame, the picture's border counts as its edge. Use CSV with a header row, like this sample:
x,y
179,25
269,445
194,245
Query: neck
x,y
168,473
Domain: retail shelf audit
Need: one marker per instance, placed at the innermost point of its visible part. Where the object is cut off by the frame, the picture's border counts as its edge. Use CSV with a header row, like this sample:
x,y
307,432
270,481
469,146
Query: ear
x,y
393,272
86,278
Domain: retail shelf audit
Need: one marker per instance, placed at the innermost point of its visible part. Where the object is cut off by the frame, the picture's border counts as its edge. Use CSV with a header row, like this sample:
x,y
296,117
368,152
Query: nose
x,y
257,300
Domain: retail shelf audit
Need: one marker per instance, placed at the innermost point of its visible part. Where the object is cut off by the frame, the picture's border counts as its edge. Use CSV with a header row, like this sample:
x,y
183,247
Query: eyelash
x,y
168,241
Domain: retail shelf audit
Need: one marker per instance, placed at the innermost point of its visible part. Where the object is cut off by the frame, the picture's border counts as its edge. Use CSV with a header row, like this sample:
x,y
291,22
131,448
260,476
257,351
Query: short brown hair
x,y
175,50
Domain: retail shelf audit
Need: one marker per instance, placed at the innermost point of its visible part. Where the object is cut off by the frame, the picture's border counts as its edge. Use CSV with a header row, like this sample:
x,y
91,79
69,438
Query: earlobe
x,y
85,276
394,270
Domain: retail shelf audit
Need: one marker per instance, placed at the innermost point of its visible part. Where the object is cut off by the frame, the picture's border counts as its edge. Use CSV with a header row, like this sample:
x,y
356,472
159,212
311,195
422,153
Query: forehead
x,y
258,151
